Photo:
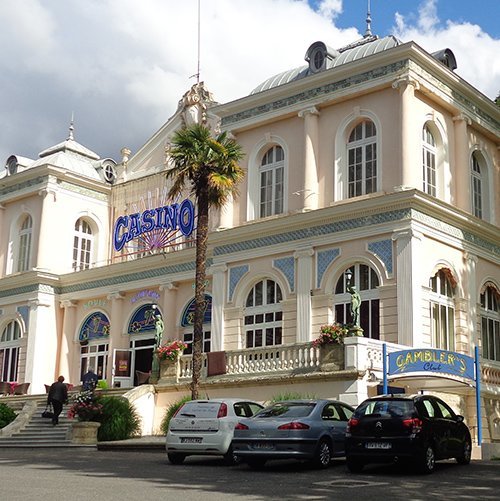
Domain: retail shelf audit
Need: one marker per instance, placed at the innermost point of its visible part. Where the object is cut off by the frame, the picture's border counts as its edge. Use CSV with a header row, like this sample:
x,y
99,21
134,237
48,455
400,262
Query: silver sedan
x,y
312,430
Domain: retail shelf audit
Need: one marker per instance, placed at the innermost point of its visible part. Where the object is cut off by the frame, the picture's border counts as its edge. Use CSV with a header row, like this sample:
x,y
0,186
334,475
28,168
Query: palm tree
x,y
208,167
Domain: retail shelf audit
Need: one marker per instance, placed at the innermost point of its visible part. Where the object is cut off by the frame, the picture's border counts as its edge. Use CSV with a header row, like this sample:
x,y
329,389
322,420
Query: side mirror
x,y
459,418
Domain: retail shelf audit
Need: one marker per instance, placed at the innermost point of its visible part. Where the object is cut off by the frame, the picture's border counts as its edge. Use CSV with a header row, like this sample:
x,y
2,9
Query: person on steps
x,y
57,397
89,380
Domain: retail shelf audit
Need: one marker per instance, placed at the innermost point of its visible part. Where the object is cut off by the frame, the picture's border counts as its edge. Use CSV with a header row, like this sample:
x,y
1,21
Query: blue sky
x,y
485,13
121,66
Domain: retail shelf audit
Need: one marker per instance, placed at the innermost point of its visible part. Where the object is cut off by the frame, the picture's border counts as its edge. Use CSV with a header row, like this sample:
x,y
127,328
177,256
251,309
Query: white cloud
x,y
123,65
475,50
330,8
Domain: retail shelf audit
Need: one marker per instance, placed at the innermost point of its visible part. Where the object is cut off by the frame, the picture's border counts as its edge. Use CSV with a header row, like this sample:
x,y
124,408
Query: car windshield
x,y
199,409
287,409
394,408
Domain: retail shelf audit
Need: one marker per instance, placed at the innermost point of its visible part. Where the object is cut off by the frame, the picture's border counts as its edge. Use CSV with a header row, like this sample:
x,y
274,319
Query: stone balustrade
x,y
360,353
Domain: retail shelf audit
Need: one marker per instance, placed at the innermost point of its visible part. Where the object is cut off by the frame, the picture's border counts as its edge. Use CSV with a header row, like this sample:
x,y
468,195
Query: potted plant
x,y
168,356
87,410
331,346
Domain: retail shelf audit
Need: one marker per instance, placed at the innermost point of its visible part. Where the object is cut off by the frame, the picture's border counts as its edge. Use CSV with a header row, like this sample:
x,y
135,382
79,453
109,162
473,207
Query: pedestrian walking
x,y
57,397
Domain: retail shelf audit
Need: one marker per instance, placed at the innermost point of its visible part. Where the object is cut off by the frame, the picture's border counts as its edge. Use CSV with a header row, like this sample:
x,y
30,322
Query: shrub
x,y
280,397
119,419
7,415
171,410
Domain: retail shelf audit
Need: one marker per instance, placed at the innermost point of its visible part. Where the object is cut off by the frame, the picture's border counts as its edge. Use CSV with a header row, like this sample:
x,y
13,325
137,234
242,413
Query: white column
x,y
461,177
45,252
304,275
411,156
66,341
169,311
41,348
115,329
226,214
409,291
311,153
219,293
5,235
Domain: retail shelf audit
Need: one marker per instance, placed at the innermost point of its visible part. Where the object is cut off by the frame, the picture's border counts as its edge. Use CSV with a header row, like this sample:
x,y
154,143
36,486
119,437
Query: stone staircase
x,y
31,430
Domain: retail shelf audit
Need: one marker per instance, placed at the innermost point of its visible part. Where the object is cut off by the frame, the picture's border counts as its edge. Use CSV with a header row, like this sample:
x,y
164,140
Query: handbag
x,y
47,413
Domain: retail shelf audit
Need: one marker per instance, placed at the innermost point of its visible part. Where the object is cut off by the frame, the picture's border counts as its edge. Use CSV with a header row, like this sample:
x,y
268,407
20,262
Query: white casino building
x,y
375,159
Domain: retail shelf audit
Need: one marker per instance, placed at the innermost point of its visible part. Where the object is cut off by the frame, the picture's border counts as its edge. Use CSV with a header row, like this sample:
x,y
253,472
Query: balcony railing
x,y
360,354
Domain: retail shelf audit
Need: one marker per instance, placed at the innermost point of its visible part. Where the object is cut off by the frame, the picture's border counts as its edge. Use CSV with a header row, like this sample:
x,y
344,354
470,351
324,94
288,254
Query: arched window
x,y
476,187
429,175
187,321
272,181
264,315
442,310
490,323
94,351
82,245
366,281
9,351
23,261
362,160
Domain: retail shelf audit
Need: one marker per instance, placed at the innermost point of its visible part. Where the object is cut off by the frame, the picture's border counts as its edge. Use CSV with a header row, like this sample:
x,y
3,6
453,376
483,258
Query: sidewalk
x,y
150,443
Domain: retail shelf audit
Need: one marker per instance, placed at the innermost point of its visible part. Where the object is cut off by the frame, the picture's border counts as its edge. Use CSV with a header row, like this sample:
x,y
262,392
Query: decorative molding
x,y
383,250
236,273
30,183
323,260
287,266
403,82
67,303
312,110
316,92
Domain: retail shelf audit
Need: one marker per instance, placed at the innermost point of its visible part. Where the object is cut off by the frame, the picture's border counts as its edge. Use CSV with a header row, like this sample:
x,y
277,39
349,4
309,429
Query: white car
x,y
206,427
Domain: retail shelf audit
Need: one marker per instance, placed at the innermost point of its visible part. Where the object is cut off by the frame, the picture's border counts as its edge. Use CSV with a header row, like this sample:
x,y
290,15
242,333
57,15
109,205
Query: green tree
x,y
208,168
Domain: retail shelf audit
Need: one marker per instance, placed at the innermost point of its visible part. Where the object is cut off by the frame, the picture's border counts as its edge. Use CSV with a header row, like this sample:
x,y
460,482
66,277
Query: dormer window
x,y
317,56
12,165
109,173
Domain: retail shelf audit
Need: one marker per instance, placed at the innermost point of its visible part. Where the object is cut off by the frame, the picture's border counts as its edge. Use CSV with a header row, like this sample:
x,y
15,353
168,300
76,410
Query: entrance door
x,y
122,369
143,356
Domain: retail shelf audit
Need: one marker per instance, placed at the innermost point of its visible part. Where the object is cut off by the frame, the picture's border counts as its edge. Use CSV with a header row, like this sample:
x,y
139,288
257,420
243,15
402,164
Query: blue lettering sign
x,y
431,360
171,217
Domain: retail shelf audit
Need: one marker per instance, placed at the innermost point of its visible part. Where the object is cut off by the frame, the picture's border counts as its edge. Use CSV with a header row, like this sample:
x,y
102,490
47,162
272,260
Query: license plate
x,y
191,440
263,446
378,445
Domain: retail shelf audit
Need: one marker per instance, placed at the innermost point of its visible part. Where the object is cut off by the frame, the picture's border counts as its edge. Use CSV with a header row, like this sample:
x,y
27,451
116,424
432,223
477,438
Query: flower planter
x,y
85,432
169,371
331,357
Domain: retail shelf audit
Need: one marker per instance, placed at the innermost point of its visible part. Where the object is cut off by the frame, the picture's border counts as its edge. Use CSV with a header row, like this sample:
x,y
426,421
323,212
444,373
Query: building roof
x,y
362,48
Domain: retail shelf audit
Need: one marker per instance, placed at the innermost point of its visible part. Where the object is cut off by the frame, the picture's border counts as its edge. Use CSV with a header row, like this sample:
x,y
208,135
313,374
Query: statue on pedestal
x,y
355,307
155,366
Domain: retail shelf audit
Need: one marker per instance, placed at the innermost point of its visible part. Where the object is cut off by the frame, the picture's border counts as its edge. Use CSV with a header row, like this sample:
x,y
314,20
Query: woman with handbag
x,y
58,396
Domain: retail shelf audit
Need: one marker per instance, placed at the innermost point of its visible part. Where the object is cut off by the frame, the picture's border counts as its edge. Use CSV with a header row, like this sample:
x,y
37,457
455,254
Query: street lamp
x,y
348,277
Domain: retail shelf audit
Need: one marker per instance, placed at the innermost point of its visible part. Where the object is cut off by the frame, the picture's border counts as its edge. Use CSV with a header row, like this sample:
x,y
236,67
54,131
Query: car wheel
x,y
176,458
323,454
256,464
230,459
464,458
355,465
428,460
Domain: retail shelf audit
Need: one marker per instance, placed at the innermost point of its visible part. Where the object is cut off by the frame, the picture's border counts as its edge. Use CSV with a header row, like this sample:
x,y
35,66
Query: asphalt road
x,y
72,474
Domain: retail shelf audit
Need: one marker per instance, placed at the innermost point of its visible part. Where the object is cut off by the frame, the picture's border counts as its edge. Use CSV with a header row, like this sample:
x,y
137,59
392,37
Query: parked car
x,y
312,430
205,427
416,428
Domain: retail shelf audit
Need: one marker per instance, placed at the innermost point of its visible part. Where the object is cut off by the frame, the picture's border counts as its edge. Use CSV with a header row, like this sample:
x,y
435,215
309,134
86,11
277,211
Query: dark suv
x,y
419,428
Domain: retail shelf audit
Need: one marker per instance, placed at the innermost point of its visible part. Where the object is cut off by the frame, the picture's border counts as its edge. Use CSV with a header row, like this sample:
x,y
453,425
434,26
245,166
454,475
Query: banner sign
x,y
431,360
175,217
